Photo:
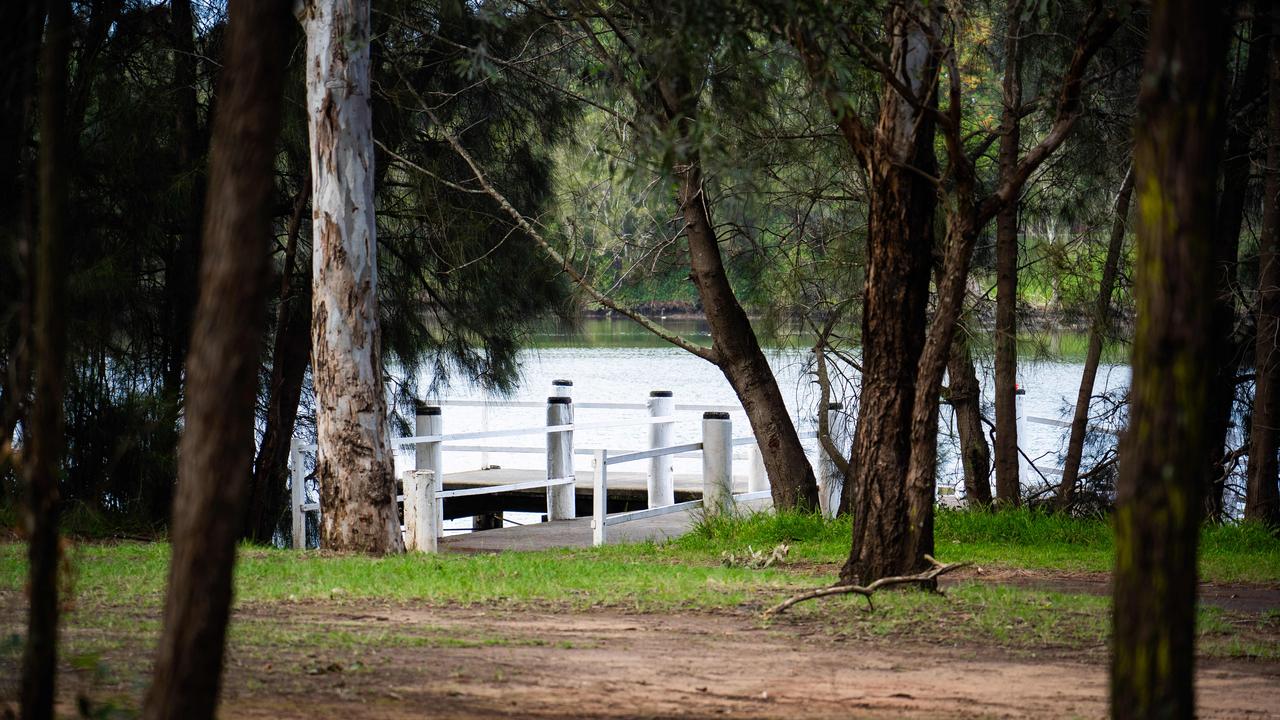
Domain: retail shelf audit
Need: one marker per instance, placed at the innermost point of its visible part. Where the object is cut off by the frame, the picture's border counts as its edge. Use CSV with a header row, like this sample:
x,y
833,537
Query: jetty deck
x,y
577,533
627,491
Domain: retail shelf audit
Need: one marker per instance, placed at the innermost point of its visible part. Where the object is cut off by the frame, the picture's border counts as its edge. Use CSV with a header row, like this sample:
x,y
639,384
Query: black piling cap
x,y
835,406
660,393
562,383
425,409
559,400
715,415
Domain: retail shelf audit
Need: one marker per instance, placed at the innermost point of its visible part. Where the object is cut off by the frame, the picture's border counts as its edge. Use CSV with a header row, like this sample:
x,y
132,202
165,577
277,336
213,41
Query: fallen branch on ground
x,y
866,591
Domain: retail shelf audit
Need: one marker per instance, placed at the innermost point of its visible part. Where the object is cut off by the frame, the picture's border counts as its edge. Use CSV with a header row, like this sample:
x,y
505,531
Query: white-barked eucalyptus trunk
x,y
354,467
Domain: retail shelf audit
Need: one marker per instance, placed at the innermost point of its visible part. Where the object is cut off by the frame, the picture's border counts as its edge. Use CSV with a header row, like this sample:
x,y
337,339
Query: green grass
x,y
1015,538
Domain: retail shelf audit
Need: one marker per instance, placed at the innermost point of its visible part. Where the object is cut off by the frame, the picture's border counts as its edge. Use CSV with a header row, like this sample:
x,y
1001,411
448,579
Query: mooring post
x,y
830,479
599,495
430,456
1019,411
662,490
298,493
562,388
717,463
757,476
426,504
561,499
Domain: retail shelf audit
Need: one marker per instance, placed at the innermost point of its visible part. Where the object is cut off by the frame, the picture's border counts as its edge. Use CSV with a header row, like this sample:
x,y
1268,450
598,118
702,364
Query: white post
x,y
561,388
1024,471
599,496
298,494
757,476
830,479
561,499
425,503
430,456
717,463
662,491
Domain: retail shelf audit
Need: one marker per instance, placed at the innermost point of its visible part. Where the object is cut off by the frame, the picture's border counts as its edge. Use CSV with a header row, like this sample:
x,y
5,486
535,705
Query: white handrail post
x,y
717,463
830,479
562,388
661,488
757,477
430,456
561,499
298,494
1019,412
427,506
599,496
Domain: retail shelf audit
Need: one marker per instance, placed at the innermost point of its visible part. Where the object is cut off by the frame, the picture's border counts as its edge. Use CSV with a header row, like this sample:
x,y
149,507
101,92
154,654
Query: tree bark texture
x,y
1098,331
217,443
354,467
964,395
899,261
1249,86
45,443
1008,489
290,353
735,348
1262,497
1159,496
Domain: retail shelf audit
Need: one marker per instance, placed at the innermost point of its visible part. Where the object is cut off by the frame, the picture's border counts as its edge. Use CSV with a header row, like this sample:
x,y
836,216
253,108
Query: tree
x,y
354,467
222,364
45,445
1159,497
1262,497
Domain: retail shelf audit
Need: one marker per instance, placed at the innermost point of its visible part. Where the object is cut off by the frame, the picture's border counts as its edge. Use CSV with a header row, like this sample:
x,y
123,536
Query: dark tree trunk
x,y
44,438
1226,245
895,302
217,441
1098,331
1160,493
268,497
1262,497
736,349
1008,490
964,395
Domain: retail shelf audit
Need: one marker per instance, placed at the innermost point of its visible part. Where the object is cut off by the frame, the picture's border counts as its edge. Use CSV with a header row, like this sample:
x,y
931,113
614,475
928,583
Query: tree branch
x,y
867,590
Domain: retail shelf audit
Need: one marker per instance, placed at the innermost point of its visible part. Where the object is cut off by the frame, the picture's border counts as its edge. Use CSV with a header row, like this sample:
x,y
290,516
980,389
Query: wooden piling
x,y
561,499
661,489
717,463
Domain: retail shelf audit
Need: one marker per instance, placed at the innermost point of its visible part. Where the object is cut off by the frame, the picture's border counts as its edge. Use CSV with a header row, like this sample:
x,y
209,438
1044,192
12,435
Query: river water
x,y
617,362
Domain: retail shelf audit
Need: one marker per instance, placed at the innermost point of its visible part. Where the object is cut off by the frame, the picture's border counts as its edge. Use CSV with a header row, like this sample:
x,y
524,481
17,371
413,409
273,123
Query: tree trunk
x,y
1159,496
44,437
217,442
1008,490
1226,244
895,301
1262,497
354,467
964,395
268,497
1097,336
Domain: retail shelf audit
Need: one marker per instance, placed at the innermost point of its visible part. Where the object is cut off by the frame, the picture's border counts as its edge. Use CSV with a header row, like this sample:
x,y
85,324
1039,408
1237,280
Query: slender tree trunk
x,y
357,483
1262,497
895,301
1098,330
1008,490
1160,493
268,497
1226,243
964,395
217,442
45,443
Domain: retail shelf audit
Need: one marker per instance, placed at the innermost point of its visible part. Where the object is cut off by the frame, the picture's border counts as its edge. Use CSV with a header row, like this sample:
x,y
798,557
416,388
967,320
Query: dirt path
x,y
617,665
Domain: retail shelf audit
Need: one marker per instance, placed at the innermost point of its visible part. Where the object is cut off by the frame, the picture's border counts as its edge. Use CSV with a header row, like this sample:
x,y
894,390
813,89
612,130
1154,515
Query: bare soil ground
x,y
402,661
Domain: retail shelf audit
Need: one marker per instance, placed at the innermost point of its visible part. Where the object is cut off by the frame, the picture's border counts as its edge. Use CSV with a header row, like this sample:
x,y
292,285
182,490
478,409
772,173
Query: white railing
x,y
424,506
